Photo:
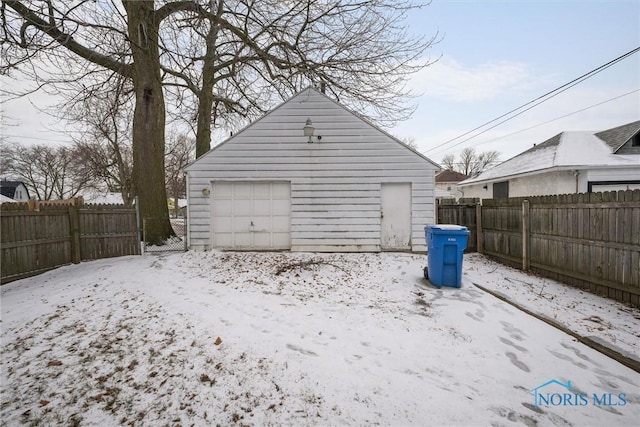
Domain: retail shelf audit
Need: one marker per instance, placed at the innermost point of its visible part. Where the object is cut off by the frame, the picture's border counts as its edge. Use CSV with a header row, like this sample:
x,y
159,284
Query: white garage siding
x,y
335,182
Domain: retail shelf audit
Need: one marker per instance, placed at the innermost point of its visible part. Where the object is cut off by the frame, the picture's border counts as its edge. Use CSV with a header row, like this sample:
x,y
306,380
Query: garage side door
x,y
395,224
251,215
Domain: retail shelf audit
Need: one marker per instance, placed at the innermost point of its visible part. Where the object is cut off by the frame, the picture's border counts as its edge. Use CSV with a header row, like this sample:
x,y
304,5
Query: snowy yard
x,y
307,339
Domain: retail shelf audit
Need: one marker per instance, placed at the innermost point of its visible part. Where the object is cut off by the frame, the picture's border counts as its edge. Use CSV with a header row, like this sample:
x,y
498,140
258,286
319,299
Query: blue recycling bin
x,y
445,246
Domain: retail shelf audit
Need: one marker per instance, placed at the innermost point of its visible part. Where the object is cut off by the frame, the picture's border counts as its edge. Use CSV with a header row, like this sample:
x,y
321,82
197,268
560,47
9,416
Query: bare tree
x,y
486,160
104,143
410,142
179,153
45,36
48,172
467,161
470,163
5,161
449,162
249,55
253,53
109,167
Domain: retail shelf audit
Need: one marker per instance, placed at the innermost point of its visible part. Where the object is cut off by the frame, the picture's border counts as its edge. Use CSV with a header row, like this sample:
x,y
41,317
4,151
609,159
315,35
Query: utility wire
x,y
505,120
561,117
537,101
33,137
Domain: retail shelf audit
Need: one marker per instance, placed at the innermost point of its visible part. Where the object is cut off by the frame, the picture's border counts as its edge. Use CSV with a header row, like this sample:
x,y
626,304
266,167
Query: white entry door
x,y
395,213
251,215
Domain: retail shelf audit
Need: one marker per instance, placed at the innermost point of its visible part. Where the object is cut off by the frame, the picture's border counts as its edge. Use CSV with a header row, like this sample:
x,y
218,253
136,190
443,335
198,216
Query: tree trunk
x,y
205,97
205,108
148,121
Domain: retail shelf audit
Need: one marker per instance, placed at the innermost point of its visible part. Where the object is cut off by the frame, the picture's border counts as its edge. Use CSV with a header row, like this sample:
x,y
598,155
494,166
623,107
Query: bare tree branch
x,y
471,163
49,27
48,172
213,63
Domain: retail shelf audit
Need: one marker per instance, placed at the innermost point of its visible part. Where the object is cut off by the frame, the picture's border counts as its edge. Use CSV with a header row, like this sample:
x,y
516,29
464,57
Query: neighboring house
x,y
179,211
15,190
310,176
570,162
447,182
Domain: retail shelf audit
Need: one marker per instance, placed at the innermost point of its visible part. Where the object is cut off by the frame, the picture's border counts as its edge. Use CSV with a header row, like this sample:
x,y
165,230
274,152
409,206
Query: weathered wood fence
x,y
591,240
463,213
43,236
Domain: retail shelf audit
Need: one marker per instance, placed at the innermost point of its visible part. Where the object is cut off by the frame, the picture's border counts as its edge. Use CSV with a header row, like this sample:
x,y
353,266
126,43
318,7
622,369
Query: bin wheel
x,y
426,273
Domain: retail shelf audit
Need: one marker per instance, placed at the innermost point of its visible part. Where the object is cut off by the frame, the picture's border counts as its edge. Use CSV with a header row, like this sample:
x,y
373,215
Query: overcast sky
x,y
498,55
493,56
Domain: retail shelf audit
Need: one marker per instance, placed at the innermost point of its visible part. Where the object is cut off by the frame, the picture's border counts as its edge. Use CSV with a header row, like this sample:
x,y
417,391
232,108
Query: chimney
x,y
323,87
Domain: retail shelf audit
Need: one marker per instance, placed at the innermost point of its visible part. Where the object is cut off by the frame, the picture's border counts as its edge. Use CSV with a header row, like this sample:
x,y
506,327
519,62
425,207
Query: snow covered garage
x,y
348,187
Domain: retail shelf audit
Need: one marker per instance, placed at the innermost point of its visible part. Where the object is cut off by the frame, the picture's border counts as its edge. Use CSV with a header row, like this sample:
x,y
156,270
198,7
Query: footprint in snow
x,y
301,350
516,362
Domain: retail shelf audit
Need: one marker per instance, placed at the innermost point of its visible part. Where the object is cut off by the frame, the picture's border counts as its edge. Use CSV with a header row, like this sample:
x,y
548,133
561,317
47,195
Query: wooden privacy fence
x,y
463,213
43,236
591,240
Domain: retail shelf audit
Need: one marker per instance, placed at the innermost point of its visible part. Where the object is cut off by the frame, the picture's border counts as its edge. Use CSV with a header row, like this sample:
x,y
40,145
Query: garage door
x,y
251,215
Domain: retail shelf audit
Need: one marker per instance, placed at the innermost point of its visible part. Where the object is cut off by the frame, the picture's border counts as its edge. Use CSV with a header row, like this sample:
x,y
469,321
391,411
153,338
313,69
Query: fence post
x,y
74,228
479,243
33,205
526,234
138,226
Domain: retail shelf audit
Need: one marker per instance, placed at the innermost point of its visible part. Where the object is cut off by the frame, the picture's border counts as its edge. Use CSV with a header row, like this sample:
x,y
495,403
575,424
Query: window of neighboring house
x,y
449,188
18,194
501,190
635,141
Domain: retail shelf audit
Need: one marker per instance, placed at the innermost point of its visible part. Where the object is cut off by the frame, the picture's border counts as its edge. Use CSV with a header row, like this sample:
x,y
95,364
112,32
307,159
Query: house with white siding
x,y
14,190
570,162
310,176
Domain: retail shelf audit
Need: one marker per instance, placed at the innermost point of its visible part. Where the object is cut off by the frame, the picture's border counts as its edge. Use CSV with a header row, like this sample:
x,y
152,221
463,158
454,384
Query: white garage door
x,y
251,215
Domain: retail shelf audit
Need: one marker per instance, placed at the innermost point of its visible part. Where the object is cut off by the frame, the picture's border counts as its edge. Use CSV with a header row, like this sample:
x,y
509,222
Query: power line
x,y
34,138
537,101
561,117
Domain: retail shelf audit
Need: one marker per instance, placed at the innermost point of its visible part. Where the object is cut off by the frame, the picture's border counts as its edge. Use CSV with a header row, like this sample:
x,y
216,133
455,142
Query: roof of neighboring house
x,y
5,199
450,176
97,197
618,136
8,188
566,151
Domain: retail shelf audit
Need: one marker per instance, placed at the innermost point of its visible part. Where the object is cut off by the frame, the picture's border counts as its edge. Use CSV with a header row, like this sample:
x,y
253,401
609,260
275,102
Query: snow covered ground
x,y
307,339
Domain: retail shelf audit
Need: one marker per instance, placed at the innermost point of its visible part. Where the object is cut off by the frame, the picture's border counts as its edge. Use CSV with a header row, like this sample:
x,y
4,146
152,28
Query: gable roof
x,y
618,136
450,176
8,188
567,151
304,93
